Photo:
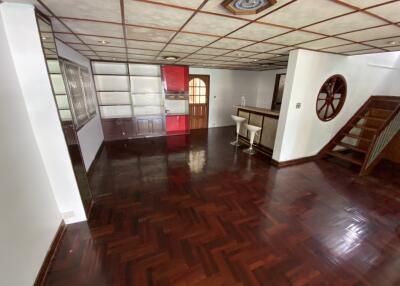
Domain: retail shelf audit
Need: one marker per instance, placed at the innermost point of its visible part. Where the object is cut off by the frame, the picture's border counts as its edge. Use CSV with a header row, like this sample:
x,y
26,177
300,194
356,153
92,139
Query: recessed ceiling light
x,y
277,56
392,42
170,58
103,42
44,38
255,60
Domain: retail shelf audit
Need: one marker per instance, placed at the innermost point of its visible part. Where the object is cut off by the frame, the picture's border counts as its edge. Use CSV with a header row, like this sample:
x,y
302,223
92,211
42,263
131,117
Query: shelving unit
x,y
59,90
130,98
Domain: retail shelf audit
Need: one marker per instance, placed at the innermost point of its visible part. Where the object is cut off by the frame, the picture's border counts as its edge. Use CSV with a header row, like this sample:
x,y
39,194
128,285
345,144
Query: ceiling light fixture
x,y
170,58
103,42
44,38
392,42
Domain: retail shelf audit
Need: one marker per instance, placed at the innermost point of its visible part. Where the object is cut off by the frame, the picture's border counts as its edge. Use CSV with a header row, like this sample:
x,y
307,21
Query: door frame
x,y
207,76
276,88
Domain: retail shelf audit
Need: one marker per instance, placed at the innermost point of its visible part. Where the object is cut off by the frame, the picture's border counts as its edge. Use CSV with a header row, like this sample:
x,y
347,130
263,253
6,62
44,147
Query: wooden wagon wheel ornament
x,y
331,97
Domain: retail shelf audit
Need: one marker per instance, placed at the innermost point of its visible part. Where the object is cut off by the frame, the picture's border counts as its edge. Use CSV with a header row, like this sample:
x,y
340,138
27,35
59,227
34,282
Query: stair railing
x,y
381,139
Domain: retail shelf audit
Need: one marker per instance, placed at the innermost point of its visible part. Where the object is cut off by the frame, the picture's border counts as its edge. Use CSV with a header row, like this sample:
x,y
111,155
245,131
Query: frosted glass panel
x,y
54,66
58,84
177,106
62,101
147,99
146,84
150,70
65,115
109,68
111,83
115,111
111,98
147,110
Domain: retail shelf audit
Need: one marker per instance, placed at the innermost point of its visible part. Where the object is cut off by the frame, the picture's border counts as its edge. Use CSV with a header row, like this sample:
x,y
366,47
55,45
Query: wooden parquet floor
x,y
195,211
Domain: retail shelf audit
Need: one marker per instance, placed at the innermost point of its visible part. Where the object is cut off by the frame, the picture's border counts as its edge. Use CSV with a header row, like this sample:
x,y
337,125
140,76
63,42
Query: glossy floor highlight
x,y
193,210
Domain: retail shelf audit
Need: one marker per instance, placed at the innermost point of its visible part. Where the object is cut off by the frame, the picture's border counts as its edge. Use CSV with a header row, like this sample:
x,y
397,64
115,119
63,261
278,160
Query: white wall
x,y
228,86
300,132
265,87
22,32
29,215
90,136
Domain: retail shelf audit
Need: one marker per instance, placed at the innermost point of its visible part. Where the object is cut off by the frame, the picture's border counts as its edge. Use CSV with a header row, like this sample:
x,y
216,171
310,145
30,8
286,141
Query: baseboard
x,y
42,275
96,157
293,162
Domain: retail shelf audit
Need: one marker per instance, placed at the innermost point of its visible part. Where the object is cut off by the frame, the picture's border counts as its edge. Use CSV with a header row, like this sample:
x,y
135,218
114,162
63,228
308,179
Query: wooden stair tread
x,y
379,109
364,127
344,157
372,118
352,147
356,137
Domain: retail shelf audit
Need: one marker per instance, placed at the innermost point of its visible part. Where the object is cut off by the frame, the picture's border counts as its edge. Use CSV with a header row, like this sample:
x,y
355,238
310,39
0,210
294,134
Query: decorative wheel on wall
x,y
331,97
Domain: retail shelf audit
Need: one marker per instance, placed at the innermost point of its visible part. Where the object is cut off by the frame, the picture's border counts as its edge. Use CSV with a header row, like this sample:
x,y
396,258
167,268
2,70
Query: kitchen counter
x,y
259,110
266,119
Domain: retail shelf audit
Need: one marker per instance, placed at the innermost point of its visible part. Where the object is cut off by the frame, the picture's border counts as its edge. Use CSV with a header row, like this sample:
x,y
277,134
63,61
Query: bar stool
x,y
253,130
239,120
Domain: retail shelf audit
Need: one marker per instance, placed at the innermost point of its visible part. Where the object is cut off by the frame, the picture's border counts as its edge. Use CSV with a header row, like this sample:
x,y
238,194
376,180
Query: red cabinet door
x,y
177,123
176,79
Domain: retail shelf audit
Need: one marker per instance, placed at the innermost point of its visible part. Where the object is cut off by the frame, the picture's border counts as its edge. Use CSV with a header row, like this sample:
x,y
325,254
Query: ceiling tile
x,y
215,6
143,52
232,44
137,33
211,51
216,25
140,57
94,9
181,48
363,3
58,26
305,12
261,47
80,47
68,38
153,15
258,32
346,23
387,42
110,54
224,58
94,40
104,48
369,51
179,55
294,38
323,43
87,53
372,34
347,48
390,11
188,4
192,39
395,48
94,28
200,57
283,51
239,54
144,45
264,56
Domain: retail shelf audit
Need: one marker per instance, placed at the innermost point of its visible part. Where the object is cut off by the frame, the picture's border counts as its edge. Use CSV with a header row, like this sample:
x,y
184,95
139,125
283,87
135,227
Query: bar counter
x,y
266,119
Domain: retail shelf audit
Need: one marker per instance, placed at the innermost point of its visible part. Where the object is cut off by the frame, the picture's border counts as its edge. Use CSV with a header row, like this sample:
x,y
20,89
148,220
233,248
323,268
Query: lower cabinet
x,y
133,127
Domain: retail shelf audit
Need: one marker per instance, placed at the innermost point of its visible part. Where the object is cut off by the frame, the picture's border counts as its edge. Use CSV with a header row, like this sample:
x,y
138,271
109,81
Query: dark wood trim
x,y
95,159
282,164
276,88
42,274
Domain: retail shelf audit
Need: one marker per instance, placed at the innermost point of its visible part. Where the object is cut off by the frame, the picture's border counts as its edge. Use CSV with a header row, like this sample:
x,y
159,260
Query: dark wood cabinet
x,y
149,126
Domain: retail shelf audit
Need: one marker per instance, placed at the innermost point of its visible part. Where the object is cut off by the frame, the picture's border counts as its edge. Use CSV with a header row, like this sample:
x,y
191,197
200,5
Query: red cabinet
x,y
175,80
177,124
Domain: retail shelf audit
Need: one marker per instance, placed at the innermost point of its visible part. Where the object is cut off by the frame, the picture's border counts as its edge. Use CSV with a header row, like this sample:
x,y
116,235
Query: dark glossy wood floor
x,y
195,211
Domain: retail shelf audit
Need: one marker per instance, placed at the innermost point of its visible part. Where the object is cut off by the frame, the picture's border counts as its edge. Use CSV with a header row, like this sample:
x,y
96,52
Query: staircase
x,y
363,139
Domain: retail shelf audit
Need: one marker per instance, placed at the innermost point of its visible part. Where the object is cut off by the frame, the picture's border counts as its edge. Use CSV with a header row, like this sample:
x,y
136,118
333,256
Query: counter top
x,y
259,110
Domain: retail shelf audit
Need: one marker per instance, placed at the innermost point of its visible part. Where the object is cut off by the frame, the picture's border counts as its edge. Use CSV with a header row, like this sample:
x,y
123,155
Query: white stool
x,y
238,121
253,130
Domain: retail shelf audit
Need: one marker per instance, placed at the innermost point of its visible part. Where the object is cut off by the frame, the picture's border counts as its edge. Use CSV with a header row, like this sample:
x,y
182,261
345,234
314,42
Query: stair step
x,y
364,127
344,157
379,109
352,147
372,118
356,137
